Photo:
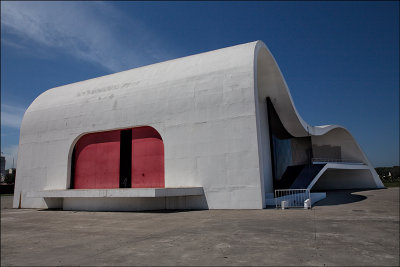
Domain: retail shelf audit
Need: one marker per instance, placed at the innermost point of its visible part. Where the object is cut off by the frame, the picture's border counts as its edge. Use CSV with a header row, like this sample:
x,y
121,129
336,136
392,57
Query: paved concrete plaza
x,y
347,228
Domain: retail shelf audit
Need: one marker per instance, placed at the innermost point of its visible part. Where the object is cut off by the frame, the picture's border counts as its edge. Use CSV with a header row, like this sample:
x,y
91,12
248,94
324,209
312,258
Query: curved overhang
x,y
271,76
269,82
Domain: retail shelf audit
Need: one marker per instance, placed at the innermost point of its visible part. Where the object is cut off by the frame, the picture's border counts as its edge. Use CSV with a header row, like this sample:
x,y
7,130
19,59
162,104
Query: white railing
x,y
325,160
292,198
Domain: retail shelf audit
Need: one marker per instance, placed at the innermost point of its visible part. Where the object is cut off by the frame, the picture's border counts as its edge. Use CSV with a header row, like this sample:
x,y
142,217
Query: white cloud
x,y
11,116
10,153
92,31
95,32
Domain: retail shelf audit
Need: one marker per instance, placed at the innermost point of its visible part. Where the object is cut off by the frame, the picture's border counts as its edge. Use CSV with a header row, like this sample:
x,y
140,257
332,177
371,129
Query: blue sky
x,y
340,59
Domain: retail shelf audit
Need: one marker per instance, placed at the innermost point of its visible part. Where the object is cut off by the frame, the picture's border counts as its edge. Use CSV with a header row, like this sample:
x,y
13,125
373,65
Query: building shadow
x,y
338,197
127,211
170,211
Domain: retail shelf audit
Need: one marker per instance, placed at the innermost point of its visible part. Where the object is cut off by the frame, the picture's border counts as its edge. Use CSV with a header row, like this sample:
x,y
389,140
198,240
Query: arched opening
x,y
119,159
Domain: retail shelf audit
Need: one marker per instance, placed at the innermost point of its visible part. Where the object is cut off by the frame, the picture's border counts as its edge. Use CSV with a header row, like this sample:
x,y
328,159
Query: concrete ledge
x,y
118,193
346,166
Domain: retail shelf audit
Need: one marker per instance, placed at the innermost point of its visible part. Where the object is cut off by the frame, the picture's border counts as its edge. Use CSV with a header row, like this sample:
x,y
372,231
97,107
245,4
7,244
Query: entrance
x,y
129,158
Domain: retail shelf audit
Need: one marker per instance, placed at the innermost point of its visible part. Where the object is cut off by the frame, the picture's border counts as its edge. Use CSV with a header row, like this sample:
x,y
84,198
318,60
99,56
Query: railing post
x,y
295,198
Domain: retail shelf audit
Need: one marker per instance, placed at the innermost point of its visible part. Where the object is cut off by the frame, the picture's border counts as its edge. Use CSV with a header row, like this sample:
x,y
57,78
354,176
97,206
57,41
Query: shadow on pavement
x,y
141,211
337,197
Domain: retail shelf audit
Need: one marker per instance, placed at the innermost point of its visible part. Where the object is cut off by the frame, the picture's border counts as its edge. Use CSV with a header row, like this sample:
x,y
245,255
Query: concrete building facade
x,y
217,130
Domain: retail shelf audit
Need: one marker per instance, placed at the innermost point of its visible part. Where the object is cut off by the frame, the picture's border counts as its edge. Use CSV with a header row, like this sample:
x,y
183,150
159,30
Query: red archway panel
x,y
147,158
97,160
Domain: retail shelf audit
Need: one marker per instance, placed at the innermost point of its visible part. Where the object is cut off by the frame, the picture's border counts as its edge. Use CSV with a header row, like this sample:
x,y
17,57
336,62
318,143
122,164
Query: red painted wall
x,y
147,158
97,159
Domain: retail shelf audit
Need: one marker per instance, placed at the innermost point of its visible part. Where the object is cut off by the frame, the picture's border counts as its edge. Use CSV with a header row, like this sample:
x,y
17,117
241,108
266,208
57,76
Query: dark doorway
x,y
126,159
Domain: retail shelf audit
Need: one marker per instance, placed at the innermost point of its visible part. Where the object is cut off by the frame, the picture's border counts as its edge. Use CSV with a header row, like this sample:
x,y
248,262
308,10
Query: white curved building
x,y
216,130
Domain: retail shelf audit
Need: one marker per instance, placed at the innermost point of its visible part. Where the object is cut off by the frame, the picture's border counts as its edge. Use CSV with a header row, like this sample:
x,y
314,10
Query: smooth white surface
x,y
209,109
126,192
202,106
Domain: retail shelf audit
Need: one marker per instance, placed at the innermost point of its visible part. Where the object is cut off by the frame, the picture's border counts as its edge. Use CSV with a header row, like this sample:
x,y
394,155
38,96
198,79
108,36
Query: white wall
x,y
202,105
209,109
263,85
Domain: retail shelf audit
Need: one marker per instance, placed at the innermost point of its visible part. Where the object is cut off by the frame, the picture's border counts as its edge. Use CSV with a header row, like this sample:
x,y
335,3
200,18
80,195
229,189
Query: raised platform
x,y
123,199
119,192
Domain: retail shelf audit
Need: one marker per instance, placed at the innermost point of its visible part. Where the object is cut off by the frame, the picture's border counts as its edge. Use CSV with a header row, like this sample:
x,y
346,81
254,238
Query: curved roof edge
x,y
265,65
299,127
245,48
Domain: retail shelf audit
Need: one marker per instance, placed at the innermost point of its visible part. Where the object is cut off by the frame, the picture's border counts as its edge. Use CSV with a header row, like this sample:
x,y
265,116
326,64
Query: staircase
x,y
306,176
296,178
299,176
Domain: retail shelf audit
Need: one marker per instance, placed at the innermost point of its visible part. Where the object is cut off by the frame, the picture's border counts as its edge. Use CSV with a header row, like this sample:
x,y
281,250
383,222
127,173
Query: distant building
x,y
3,166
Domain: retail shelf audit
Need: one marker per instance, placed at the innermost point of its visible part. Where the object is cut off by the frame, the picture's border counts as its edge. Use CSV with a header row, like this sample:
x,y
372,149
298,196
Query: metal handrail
x,y
294,198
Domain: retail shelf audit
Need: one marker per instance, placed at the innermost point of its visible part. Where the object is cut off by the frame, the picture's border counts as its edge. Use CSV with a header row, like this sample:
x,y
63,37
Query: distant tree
x,y
395,171
10,178
394,176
